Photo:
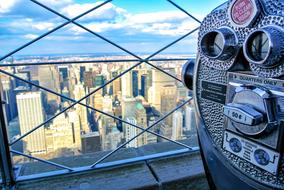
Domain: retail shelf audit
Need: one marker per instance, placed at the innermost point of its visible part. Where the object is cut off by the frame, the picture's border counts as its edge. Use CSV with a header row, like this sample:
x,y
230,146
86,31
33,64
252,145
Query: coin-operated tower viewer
x,y
238,86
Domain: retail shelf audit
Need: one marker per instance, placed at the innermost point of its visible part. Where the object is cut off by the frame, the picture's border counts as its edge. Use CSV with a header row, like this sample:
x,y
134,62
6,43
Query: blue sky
x,y
137,25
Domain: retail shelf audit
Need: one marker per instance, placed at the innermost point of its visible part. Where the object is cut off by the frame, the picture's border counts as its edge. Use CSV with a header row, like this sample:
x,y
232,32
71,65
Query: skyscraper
x,y
150,137
72,81
9,97
97,101
190,124
126,85
99,81
89,79
107,104
130,132
139,119
182,92
49,78
116,84
63,70
112,137
31,114
127,105
24,75
82,72
105,127
65,92
177,125
159,80
134,80
79,93
168,102
143,91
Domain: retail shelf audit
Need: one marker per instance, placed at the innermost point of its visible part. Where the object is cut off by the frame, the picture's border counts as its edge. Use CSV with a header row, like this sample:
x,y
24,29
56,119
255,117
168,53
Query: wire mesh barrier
x,y
83,101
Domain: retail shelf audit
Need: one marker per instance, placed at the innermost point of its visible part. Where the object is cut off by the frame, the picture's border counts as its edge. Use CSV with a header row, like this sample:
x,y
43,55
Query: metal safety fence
x,y
8,176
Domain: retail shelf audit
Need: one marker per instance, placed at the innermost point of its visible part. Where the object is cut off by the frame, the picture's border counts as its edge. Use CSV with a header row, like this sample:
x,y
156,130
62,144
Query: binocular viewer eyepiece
x,y
265,46
238,87
220,44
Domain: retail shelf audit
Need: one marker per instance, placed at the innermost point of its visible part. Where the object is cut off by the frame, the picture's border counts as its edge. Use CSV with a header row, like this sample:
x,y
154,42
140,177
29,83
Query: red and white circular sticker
x,y
242,11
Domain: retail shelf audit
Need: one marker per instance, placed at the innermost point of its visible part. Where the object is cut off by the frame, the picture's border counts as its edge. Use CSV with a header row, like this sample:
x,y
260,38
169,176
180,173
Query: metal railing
x,y
8,178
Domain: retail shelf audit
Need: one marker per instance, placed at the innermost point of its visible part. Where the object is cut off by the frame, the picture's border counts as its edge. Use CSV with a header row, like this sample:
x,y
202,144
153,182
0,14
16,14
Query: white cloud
x,y
103,27
170,23
108,11
43,25
64,38
108,18
156,17
7,5
26,8
30,36
30,24
168,29
57,3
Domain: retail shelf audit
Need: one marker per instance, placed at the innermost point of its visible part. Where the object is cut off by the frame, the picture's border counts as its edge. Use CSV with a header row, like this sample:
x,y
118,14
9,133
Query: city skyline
x,y
141,97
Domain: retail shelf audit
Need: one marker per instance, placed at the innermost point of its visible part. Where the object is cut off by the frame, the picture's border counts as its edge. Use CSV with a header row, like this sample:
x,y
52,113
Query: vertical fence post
x,y
7,173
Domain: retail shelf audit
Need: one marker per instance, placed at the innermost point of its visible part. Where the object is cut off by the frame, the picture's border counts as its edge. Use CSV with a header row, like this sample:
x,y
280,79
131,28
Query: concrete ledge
x,y
176,172
33,167
132,176
181,172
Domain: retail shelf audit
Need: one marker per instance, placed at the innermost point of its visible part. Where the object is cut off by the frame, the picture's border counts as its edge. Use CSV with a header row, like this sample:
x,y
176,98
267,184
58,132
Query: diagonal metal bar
x,y
89,61
109,115
112,43
181,9
144,130
53,30
41,160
